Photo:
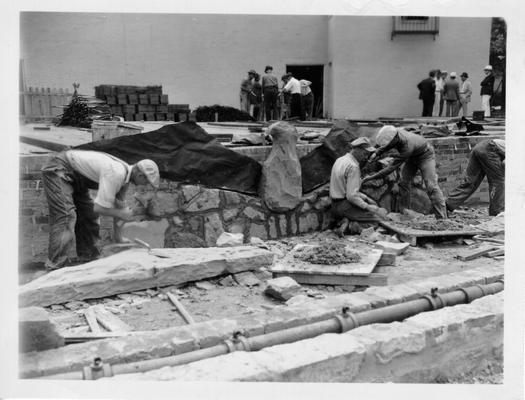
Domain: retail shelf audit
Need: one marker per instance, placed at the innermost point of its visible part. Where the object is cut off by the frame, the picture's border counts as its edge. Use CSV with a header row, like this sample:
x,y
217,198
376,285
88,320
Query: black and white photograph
x,y
266,199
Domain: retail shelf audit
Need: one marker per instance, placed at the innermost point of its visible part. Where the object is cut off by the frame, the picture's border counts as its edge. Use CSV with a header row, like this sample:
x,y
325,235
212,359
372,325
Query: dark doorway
x,y
314,74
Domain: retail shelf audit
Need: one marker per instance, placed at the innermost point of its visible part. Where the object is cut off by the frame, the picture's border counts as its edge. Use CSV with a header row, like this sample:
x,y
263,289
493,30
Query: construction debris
x,y
395,248
230,239
328,253
473,254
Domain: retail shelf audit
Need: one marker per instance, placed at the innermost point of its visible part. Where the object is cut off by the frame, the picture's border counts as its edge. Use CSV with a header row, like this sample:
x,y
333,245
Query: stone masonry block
x,y
212,228
282,288
259,231
308,222
37,332
254,214
190,192
208,199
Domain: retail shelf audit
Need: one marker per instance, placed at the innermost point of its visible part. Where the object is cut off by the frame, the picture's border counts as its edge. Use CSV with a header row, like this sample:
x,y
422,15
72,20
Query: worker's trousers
x,y
343,208
244,99
452,108
428,105
308,105
485,104
270,103
426,164
483,160
71,215
295,107
463,105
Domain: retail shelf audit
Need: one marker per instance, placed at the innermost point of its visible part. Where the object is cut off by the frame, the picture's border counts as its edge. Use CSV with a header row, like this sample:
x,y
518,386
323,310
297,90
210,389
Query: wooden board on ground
x,y
475,253
410,235
91,318
341,274
109,321
373,279
136,269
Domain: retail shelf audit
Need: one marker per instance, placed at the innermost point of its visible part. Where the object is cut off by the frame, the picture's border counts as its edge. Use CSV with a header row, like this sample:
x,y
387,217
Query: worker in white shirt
x,y
307,99
292,86
348,203
73,216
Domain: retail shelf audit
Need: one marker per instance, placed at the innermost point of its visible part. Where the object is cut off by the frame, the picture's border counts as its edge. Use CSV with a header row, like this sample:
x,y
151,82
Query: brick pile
x,y
140,103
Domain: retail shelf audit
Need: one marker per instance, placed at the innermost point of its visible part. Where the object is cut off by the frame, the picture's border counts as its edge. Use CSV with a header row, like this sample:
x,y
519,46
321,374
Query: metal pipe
x,y
338,324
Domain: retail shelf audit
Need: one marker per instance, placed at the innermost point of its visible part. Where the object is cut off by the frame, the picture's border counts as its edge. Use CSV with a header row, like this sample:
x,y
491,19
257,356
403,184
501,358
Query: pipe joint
x,y
435,299
347,320
97,370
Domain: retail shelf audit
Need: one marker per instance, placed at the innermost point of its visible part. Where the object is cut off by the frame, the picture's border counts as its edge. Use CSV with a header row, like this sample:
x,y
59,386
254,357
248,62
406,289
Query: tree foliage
x,y
498,45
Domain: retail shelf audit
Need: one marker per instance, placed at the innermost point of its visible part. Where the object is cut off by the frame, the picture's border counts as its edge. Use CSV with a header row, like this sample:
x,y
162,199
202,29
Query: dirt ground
x,y
223,297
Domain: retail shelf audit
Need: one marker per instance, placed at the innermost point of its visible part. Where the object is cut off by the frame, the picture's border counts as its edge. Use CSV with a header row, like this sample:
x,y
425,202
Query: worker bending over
x,y
73,216
487,158
414,153
348,203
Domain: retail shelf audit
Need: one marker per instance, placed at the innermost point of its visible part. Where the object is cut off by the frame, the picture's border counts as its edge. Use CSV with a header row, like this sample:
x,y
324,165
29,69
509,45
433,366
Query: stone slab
x,y
136,269
37,332
396,248
283,288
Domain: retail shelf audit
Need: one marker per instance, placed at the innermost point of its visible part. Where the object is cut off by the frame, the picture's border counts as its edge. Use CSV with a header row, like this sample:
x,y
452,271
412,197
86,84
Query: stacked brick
x,y
141,103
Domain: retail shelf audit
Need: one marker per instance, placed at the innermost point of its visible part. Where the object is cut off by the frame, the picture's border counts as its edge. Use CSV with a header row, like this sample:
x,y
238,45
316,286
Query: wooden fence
x,y
43,103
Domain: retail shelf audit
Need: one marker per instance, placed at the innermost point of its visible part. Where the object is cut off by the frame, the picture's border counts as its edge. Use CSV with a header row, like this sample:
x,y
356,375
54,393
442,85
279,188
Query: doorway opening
x,y
314,74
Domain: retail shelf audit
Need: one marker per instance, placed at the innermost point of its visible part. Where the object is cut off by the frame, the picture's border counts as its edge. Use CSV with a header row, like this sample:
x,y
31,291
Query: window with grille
x,y
415,25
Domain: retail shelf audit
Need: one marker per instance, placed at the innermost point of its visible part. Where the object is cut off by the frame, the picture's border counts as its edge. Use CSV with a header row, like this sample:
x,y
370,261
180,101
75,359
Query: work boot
x,y
341,229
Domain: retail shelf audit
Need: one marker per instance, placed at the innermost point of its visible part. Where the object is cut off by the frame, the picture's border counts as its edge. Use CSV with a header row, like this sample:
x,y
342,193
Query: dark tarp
x,y
185,153
317,165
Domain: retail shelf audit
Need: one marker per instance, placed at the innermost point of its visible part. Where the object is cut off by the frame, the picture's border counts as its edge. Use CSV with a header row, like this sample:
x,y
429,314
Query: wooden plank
x,y
109,321
135,269
408,232
374,279
473,254
91,318
496,253
395,248
185,314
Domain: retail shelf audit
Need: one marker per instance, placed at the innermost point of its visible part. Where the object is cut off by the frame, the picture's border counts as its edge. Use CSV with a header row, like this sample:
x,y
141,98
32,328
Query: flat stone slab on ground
x,y
396,248
247,278
136,269
230,239
282,288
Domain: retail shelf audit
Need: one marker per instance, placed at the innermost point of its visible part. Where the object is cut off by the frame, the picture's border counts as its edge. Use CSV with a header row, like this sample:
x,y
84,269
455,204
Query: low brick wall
x,y
208,212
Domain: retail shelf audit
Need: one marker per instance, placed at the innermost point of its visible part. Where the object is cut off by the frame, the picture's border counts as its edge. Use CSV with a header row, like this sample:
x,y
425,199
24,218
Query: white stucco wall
x,y
198,59
375,76
201,59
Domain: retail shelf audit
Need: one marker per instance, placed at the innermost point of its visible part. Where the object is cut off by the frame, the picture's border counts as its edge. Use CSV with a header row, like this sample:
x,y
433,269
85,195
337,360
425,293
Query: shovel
x,y
151,251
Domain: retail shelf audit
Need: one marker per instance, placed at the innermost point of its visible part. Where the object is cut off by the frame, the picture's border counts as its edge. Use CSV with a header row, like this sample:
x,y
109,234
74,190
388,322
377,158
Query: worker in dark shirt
x,y
414,153
487,158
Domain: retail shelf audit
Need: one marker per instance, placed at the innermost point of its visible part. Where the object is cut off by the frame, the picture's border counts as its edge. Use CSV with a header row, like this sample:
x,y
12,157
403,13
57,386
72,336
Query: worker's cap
x,y
385,135
488,68
444,71
268,68
453,75
252,71
464,74
150,170
363,143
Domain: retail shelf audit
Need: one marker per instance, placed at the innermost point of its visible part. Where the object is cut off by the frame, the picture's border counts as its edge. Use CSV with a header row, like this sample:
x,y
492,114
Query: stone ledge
x,y
417,350
213,332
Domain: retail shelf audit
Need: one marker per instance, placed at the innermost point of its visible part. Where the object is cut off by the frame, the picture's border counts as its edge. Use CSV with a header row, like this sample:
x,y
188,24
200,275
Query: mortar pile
x,y
329,253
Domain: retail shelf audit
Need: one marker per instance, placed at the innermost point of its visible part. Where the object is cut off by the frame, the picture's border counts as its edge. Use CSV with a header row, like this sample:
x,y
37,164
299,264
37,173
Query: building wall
x,y
201,59
198,59
375,76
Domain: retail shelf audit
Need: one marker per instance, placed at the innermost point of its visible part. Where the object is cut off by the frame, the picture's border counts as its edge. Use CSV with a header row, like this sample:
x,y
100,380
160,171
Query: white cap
x,y
385,135
150,170
488,68
453,75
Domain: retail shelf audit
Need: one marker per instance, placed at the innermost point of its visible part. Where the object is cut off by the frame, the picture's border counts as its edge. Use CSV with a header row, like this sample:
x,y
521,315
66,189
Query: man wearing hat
x,y
451,93
427,90
270,87
73,215
465,93
348,203
487,89
292,86
414,153
246,88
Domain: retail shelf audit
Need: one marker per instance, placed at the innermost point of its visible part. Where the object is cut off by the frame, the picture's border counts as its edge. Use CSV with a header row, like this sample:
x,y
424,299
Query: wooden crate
x,y
111,129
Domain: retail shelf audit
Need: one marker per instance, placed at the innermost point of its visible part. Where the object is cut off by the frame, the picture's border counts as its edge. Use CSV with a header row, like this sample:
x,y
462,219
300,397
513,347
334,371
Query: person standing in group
x,y
451,91
487,89
246,88
465,93
427,92
443,75
270,89
293,87
438,80
256,97
307,97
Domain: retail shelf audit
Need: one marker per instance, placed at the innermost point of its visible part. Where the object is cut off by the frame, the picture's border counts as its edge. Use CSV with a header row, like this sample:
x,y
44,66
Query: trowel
x,y
153,252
